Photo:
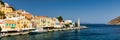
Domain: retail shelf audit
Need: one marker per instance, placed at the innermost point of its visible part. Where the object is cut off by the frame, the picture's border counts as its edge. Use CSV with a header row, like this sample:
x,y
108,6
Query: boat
x,y
37,31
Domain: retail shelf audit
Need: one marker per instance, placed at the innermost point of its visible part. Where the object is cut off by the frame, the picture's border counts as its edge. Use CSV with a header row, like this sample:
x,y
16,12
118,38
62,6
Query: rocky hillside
x,y
115,21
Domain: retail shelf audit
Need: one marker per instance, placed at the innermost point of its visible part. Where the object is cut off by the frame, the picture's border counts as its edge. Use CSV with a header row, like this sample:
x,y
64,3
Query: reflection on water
x,y
94,32
61,35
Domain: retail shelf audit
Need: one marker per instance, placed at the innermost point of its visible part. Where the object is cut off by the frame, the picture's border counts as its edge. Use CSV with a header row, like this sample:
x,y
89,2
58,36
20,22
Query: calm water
x,y
94,32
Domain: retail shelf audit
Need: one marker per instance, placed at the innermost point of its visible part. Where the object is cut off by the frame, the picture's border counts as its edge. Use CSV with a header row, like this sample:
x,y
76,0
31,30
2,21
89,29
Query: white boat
x,y
40,30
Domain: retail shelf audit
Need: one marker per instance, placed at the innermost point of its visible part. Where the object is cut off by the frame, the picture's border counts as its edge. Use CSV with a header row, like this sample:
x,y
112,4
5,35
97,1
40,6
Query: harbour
x,y
59,20
93,32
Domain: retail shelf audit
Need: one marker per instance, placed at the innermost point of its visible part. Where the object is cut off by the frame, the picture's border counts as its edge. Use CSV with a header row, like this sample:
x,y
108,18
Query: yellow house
x,y
6,9
10,25
43,21
17,25
11,14
28,16
24,23
14,15
51,22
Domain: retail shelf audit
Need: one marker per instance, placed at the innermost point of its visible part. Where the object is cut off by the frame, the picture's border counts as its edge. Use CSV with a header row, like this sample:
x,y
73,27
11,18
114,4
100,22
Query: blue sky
x,y
89,11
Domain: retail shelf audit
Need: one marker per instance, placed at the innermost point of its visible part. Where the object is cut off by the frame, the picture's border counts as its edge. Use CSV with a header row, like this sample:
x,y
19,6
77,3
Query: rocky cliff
x,y
115,21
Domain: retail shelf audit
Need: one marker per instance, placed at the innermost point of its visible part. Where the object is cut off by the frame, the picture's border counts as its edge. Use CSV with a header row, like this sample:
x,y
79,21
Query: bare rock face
x,y
115,21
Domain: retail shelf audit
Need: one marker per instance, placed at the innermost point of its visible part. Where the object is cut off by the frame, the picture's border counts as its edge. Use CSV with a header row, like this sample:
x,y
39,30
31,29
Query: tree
x,y
13,8
70,23
1,2
67,25
60,18
2,15
0,29
76,24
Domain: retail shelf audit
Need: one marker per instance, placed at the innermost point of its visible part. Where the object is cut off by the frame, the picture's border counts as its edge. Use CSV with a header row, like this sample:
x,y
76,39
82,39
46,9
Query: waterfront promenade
x,y
48,30
69,28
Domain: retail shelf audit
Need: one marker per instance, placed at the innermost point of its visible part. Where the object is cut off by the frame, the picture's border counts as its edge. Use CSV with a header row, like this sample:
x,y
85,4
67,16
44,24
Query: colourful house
x,y
10,25
24,23
28,16
6,9
43,21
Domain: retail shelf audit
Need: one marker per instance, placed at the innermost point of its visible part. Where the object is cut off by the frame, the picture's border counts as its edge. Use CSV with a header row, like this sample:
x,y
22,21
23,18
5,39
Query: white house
x,y
68,22
57,24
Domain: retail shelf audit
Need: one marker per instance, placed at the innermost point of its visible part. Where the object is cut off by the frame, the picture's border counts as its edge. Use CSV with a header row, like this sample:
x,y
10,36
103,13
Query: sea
x,y
93,32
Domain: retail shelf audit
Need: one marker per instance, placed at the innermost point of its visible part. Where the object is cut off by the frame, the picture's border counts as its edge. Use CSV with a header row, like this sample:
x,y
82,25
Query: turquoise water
x,y
94,32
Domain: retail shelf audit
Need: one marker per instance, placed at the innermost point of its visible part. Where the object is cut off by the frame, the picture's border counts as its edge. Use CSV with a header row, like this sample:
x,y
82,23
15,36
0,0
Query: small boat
x,y
37,31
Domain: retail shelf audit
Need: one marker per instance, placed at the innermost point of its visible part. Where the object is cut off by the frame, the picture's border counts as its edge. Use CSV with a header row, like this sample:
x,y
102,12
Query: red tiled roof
x,y
41,17
28,15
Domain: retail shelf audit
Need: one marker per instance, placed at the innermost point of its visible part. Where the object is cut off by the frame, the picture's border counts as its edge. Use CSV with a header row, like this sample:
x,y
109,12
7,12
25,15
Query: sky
x,y
89,11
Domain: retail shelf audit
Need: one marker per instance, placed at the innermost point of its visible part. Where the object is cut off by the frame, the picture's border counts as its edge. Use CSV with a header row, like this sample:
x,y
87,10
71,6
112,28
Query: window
x,y
14,15
13,25
7,24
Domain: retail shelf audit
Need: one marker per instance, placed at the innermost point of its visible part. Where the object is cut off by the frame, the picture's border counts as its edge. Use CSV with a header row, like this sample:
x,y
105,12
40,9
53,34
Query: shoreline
x,y
49,30
60,29
69,28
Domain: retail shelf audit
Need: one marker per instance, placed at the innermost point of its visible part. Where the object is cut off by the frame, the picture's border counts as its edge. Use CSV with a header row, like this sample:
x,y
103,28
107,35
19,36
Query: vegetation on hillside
x,y
76,24
13,8
2,15
1,2
0,29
